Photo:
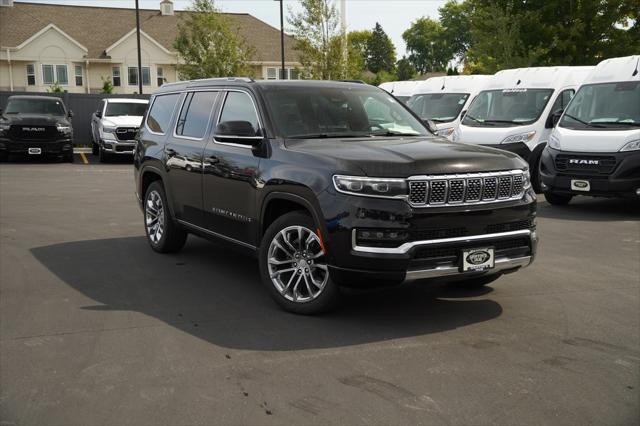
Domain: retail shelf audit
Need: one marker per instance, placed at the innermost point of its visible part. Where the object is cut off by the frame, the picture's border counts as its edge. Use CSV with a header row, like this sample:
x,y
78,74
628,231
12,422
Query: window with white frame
x,y
133,76
52,74
48,74
280,74
31,75
62,77
160,76
272,74
115,74
79,75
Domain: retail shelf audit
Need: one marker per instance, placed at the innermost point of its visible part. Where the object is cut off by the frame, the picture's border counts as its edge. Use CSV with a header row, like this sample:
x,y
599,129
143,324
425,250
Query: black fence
x,y
82,105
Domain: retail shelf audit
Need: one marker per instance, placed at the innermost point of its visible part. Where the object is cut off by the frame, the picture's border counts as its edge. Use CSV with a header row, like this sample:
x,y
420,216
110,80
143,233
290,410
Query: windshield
x,y
507,108
35,106
604,106
315,112
121,108
438,107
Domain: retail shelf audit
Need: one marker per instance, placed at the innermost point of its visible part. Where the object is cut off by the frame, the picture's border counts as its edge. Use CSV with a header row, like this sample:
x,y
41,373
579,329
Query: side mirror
x,y
98,114
431,126
235,129
70,114
553,119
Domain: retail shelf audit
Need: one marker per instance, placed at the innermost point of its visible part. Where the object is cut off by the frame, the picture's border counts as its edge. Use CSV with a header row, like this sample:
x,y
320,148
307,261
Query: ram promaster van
x,y
595,148
516,109
402,90
444,100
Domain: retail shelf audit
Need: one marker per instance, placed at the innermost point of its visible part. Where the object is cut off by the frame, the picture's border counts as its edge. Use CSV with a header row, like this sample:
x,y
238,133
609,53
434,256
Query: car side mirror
x,y
70,114
235,129
553,119
99,114
462,114
431,126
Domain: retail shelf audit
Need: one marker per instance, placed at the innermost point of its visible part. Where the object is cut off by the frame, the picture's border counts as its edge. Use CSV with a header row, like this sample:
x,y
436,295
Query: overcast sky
x,y
395,16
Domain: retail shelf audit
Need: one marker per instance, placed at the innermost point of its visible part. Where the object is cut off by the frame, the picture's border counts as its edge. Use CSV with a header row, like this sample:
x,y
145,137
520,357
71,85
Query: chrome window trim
x,y
255,108
406,247
191,138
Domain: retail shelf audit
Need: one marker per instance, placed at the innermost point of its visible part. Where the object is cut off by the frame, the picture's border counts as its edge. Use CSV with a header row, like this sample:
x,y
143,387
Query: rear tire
x,y
294,268
557,199
164,235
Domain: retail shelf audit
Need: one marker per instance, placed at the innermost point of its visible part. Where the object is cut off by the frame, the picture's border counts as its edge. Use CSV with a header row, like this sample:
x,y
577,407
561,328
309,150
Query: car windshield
x,y
306,111
121,108
35,106
507,107
604,106
438,107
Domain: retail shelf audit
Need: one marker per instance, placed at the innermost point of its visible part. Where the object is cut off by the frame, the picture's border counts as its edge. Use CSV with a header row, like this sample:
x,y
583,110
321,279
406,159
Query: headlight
x,y
63,128
445,133
455,136
522,137
109,129
631,146
526,176
554,142
371,187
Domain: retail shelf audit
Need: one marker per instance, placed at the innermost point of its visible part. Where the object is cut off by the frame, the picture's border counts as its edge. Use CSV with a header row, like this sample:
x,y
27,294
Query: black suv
x,y
330,184
37,126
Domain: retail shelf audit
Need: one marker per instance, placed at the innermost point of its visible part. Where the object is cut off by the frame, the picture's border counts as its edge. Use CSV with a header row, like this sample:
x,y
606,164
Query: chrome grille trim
x,y
466,189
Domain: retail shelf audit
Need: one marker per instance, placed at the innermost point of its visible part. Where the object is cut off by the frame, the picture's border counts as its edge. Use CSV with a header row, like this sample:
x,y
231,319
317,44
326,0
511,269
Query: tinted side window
x,y
563,99
161,112
195,114
239,107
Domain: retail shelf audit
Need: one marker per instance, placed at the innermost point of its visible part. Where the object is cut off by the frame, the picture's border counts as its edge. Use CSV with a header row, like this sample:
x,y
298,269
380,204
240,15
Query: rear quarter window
x,y
161,112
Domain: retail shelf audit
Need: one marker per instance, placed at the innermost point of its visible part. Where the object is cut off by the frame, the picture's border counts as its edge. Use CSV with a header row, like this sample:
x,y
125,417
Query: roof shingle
x,y
97,28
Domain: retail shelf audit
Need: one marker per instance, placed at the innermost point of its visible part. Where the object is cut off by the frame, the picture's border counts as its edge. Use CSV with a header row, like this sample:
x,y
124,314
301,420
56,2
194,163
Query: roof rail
x,y
210,80
353,81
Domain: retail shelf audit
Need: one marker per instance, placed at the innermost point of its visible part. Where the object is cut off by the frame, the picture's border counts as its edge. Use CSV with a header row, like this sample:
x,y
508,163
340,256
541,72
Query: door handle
x,y
170,152
213,159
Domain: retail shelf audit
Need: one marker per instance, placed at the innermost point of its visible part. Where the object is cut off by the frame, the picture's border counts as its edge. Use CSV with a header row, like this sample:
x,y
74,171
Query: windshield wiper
x,y
392,133
624,123
583,122
328,135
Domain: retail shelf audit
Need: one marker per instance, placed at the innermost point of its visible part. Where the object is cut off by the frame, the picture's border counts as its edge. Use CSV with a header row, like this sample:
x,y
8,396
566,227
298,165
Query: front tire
x,y
95,148
104,156
557,199
293,266
163,234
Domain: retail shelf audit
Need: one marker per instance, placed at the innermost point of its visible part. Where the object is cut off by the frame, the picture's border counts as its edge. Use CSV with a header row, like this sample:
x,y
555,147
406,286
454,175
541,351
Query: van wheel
x,y
536,176
557,199
294,268
163,234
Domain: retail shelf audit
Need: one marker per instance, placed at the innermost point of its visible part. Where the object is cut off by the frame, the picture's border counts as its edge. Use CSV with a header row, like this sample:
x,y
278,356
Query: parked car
x,y
327,194
516,109
595,148
37,126
114,126
444,100
402,90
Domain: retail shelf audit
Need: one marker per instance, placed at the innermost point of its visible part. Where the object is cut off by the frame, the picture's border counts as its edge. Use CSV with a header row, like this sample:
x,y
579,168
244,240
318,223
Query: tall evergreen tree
x,y
381,53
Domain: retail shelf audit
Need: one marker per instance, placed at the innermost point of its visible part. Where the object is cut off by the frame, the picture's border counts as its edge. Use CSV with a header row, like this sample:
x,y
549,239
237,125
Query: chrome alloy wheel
x,y
154,216
296,264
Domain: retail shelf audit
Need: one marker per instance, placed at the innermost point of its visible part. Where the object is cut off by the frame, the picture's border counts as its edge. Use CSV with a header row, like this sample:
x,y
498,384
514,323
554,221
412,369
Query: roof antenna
x,y
635,72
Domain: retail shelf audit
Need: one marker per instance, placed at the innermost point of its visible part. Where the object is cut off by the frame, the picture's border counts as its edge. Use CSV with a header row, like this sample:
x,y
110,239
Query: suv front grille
x,y
586,164
473,188
126,133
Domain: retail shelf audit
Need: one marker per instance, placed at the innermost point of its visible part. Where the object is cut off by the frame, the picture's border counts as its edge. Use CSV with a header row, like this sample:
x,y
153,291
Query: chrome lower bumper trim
x,y
406,247
501,264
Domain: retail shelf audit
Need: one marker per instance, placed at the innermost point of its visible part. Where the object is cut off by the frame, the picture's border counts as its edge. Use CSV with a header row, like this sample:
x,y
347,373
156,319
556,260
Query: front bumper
x,y
437,237
118,147
622,179
519,148
47,147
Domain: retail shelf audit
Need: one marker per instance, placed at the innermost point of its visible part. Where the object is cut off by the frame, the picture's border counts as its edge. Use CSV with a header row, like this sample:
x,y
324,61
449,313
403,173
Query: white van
x,y
595,147
402,90
516,109
444,100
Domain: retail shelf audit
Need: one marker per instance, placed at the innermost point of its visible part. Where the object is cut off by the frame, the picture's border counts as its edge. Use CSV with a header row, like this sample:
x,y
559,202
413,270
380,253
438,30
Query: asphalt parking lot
x,y
95,328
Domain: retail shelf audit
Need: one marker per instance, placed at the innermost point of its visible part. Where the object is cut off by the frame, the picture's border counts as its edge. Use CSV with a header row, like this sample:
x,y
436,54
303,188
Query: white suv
x,y
114,126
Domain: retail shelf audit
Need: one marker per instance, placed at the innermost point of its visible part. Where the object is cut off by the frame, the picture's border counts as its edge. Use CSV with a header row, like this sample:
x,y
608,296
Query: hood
x,y
404,157
34,119
123,120
604,140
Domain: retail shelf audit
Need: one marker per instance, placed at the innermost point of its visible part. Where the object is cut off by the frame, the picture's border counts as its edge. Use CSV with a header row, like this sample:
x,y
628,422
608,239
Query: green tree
x,y
454,18
428,51
380,52
404,69
55,88
107,85
207,45
357,43
318,39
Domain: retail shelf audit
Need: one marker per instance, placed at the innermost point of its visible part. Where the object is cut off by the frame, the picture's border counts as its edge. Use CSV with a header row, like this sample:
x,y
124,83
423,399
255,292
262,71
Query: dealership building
x,y
78,47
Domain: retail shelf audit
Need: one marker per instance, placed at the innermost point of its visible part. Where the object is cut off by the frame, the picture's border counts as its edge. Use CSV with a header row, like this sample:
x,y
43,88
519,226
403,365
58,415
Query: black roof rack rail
x,y
221,79
353,81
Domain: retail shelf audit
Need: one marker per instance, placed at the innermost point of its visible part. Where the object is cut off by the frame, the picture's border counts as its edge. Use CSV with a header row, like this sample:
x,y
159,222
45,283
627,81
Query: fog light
x,y
108,146
638,192
381,238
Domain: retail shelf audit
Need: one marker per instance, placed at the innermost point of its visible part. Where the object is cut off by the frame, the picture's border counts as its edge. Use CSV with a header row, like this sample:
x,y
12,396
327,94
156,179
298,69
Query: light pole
x,y
139,52
282,72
